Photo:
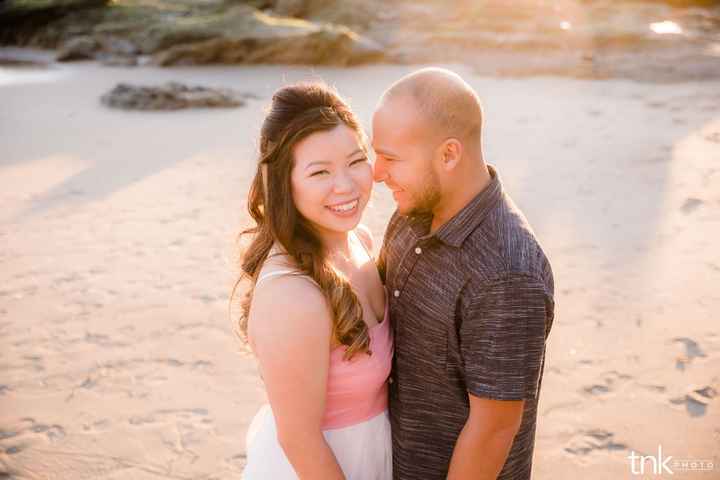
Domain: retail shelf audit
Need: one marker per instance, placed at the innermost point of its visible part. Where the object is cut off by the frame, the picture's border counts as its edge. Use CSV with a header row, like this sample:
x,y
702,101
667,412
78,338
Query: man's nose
x,y
379,172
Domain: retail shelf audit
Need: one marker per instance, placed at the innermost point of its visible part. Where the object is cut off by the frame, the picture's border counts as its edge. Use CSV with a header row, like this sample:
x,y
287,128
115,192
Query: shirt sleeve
x,y
502,338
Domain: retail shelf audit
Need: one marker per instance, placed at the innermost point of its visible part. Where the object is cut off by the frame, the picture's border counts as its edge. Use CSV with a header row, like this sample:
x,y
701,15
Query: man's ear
x,y
450,154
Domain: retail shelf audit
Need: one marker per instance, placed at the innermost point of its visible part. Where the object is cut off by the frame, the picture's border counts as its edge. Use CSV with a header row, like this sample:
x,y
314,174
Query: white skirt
x,y
363,450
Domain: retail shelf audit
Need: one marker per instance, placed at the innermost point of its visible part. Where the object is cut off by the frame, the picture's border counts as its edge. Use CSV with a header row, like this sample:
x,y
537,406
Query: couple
x,y
426,362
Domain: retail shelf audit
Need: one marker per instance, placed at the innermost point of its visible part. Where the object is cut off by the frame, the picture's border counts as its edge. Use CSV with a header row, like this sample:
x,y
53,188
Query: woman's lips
x,y
346,209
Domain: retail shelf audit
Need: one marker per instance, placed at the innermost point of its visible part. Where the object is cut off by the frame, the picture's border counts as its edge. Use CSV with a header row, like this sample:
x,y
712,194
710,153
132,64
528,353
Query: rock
x,y
171,96
112,60
20,20
358,15
290,8
118,46
260,38
78,48
495,36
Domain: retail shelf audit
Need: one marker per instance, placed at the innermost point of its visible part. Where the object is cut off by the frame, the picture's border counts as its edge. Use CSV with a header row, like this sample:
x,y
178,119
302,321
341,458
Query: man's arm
x,y
486,438
502,343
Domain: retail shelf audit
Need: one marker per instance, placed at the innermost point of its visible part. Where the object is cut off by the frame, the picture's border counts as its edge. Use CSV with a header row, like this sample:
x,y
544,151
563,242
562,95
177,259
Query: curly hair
x,y
296,112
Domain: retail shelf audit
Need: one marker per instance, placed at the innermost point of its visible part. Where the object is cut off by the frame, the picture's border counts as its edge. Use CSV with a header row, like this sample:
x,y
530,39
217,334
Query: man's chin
x,y
404,209
410,210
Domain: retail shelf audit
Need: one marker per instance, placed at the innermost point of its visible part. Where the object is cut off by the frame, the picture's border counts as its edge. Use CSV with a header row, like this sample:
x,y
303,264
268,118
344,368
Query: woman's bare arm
x,y
292,325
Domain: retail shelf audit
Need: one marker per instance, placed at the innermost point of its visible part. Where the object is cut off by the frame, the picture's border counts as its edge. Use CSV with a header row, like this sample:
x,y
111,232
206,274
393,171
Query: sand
x,y
117,255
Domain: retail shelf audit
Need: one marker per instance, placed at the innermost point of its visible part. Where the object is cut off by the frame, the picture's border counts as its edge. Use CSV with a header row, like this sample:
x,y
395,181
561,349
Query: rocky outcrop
x,y
255,37
171,96
540,35
186,32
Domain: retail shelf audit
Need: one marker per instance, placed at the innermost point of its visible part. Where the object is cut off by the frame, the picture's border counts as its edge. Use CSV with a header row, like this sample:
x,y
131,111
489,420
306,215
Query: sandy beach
x,y
117,254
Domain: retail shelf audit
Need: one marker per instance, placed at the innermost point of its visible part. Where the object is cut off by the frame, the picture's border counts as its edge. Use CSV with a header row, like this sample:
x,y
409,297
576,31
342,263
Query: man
x,y
471,291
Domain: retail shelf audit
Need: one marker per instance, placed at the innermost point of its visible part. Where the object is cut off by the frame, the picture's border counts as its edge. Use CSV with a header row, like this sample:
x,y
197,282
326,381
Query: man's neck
x,y
457,197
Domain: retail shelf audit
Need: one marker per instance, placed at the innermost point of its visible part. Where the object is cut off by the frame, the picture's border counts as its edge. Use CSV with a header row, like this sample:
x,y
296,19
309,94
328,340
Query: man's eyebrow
x,y
383,152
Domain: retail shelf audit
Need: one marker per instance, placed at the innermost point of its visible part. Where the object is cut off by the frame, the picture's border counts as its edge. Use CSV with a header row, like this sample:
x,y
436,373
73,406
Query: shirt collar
x,y
456,230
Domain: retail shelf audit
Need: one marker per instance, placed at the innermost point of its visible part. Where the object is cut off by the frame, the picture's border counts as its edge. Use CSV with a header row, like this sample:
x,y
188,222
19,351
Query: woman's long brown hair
x,y
296,112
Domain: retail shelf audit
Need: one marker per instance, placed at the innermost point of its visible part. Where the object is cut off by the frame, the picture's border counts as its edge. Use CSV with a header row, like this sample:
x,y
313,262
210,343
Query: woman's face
x,y
331,179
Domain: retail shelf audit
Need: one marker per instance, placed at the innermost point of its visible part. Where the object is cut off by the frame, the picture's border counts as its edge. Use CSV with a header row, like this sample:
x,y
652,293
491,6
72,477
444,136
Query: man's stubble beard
x,y
425,202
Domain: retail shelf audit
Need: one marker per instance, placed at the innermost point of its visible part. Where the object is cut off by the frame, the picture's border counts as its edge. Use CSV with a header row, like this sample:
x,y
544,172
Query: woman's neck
x,y
337,245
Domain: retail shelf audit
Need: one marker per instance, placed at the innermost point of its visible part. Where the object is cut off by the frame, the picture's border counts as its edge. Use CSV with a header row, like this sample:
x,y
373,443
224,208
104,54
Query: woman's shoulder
x,y
287,304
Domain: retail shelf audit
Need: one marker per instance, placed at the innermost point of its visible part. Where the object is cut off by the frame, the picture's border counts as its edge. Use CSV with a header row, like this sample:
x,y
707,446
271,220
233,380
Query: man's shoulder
x,y
506,245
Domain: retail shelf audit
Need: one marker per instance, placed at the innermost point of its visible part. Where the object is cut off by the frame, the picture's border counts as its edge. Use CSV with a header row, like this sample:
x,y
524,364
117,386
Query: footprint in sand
x,y
653,388
586,442
194,415
609,383
96,426
696,401
655,104
690,205
16,440
596,389
713,137
692,350
237,461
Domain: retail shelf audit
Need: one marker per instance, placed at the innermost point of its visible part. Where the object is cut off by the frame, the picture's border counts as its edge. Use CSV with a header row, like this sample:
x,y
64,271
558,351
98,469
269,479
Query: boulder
x,y
77,48
170,96
254,37
21,19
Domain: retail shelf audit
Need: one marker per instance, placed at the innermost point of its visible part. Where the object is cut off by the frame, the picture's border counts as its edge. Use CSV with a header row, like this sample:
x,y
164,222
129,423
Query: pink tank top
x,y
357,389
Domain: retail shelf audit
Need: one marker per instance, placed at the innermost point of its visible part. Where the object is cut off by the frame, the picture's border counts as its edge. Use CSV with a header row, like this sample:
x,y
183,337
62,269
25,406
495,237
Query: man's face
x,y
404,156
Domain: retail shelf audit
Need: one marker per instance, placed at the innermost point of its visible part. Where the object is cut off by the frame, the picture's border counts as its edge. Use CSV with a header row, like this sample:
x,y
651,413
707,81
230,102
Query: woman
x,y
316,313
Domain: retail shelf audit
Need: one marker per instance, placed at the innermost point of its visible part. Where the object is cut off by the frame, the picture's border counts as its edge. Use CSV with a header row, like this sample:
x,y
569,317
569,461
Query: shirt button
x,y
390,380
396,293
418,250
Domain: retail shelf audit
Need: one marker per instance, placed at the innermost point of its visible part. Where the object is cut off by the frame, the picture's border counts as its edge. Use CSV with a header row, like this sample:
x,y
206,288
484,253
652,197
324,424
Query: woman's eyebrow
x,y
327,162
318,162
359,150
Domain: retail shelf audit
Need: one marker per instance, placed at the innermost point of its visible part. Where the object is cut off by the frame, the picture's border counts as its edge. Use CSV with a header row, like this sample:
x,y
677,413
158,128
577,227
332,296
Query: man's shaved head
x,y
448,104
427,141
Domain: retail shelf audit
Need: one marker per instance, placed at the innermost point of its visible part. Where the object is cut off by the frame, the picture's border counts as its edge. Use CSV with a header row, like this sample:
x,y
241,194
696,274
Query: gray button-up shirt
x,y
471,306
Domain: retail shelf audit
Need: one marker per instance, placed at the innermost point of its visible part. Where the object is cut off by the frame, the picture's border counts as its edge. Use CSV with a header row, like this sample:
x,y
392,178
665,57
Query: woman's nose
x,y
343,182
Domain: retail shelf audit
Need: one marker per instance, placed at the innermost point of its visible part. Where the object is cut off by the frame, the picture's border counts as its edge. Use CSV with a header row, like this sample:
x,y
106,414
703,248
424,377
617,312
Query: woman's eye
x,y
319,172
359,160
